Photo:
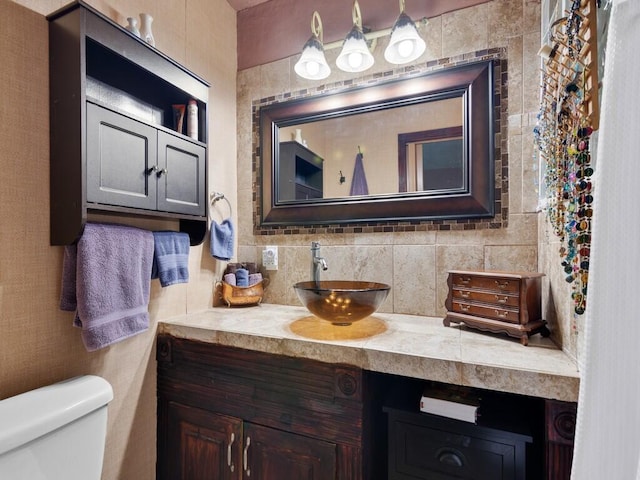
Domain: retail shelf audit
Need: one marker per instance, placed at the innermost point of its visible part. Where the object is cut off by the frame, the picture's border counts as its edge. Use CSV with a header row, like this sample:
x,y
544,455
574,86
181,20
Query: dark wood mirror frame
x,y
474,82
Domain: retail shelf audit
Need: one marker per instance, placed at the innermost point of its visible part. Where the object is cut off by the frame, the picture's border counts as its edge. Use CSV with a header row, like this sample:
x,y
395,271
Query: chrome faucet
x,y
317,262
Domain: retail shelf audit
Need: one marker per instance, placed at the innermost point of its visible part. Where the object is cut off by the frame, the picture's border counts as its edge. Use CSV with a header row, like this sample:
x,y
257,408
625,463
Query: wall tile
x,y
465,30
414,277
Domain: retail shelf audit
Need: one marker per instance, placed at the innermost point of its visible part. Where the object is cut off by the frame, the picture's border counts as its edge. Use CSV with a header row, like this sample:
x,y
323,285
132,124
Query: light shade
x,y
405,44
312,65
355,55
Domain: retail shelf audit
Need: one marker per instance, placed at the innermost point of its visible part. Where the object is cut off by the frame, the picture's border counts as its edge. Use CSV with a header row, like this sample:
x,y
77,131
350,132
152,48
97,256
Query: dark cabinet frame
x,y
93,59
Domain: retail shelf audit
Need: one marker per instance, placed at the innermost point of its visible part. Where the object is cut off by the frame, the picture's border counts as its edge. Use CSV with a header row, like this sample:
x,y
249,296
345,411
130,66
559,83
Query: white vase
x,y
145,29
132,26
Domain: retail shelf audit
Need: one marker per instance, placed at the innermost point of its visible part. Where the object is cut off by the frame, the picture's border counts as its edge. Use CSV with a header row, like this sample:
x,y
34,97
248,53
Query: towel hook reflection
x,y
215,196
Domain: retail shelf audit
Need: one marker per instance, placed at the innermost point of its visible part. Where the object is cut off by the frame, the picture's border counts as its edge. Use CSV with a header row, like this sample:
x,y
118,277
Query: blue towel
x,y
171,258
222,237
106,280
242,277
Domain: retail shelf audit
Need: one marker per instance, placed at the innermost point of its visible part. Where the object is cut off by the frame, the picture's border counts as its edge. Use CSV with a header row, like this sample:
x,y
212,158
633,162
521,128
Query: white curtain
x,y
608,429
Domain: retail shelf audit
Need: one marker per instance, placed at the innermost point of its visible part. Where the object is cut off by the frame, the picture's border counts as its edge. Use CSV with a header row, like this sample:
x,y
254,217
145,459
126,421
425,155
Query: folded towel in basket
x,y
106,279
171,257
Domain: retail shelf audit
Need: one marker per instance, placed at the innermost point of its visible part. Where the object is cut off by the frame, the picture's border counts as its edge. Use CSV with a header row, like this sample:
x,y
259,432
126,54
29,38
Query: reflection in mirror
x,y
422,146
330,146
433,160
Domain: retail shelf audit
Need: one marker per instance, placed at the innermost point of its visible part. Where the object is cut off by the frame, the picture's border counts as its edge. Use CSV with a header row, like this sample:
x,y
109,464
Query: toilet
x,y
55,432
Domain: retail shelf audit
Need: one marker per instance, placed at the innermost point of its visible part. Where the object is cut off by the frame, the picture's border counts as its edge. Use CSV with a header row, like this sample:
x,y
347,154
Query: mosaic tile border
x,y
501,194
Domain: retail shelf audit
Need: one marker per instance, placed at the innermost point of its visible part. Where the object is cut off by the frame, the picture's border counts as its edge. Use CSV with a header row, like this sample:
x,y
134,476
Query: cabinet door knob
x,y
245,455
161,172
150,170
231,440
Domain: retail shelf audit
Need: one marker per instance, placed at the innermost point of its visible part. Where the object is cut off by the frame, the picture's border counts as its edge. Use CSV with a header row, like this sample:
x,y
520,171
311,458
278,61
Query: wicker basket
x,y
242,296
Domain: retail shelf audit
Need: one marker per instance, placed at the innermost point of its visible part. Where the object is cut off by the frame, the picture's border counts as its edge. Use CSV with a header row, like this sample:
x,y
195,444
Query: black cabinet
x,y
132,164
423,446
114,148
299,173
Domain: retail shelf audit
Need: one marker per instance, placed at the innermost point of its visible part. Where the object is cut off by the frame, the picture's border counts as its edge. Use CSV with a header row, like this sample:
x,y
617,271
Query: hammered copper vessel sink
x,y
342,302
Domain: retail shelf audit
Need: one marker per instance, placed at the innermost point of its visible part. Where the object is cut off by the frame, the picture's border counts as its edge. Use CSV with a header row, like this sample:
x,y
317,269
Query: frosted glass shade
x,y
355,55
405,44
312,65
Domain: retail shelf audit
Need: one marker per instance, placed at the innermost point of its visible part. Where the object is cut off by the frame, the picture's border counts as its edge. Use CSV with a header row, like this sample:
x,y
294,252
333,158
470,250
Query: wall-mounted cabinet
x,y
300,173
114,145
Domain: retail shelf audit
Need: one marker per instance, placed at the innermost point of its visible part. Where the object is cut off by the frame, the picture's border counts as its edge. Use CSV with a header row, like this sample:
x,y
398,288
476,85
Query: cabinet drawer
x,y
501,299
487,311
423,446
494,284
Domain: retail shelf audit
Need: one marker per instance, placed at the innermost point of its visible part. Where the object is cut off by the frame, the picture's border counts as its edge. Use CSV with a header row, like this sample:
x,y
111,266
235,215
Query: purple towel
x,y
171,258
109,286
359,181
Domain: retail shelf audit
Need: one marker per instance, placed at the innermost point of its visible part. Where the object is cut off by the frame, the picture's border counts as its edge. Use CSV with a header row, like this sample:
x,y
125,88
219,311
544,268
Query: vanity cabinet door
x,y
270,454
181,178
201,445
121,154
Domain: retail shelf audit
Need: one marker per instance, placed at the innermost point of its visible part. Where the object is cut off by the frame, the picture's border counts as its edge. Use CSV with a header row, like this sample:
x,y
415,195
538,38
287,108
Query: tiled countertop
x,y
412,346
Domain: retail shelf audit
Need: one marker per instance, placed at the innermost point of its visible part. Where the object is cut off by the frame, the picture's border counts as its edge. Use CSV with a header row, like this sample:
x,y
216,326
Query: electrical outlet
x,y
270,257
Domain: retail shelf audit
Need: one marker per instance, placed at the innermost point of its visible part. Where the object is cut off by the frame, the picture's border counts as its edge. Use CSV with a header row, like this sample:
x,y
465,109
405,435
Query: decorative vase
x,y
133,26
145,28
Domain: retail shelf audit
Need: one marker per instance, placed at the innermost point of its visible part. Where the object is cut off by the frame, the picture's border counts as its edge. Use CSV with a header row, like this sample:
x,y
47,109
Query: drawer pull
x,y
229,447
465,280
502,284
451,458
465,308
500,299
245,456
465,294
502,314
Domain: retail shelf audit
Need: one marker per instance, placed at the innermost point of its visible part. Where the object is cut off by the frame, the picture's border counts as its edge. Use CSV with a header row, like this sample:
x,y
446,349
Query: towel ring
x,y
215,196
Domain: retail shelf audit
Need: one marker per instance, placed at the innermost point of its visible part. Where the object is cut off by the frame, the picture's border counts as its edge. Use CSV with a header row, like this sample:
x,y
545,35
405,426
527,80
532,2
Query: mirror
x,y
410,149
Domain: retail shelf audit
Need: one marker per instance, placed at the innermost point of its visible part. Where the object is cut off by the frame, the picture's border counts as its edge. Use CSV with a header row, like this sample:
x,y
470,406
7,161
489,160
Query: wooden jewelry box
x,y
498,302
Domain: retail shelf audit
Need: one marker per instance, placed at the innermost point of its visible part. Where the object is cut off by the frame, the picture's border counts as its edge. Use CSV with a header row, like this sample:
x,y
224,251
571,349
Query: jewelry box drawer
x,y
487,297
487,311
486,283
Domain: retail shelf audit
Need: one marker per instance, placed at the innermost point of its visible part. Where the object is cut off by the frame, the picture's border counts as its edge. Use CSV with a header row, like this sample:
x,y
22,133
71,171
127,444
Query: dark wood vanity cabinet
x,y
229,413
114,145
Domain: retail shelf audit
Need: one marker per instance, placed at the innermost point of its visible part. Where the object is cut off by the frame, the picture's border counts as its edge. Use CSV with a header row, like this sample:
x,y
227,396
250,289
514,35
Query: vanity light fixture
x,y
355,55
405,45
312,64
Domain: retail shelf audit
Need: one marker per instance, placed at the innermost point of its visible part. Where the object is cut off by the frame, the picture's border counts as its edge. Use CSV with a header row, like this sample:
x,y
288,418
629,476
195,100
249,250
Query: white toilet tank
x,y
55,432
